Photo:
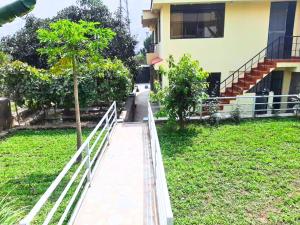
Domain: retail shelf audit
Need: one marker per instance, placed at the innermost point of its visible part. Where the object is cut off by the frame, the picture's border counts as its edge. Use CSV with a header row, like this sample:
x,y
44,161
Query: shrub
x,y
15,81
236,115
114,82
106,82
187,84
213,109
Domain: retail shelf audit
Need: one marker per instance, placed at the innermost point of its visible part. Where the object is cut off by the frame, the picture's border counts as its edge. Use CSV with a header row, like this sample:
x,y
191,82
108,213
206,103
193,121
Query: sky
x,y
49,8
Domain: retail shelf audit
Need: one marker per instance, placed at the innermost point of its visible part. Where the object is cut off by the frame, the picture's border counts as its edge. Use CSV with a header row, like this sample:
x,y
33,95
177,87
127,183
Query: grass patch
x,y
234,174
29,162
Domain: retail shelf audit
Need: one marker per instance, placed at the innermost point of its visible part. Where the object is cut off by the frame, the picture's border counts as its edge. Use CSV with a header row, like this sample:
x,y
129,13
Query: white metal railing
x,y
91,151
252,105
165,215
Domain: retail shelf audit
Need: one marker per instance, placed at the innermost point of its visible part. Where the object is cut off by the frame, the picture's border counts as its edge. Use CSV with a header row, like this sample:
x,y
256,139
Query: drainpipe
x,y
15,9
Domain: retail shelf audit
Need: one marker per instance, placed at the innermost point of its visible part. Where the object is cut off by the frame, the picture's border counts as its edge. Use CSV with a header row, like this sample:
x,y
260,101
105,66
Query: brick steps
x,y
250,79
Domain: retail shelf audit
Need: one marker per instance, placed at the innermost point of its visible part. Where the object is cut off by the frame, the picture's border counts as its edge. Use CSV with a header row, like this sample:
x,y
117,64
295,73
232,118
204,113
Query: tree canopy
x,y
187,85
67,44
24,44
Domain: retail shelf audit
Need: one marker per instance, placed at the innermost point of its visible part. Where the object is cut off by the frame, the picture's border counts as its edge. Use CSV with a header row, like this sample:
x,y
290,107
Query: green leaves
x,y
67,39
187,84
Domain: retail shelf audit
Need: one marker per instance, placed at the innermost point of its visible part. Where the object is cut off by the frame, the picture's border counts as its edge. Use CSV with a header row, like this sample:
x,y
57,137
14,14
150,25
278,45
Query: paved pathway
x,y
141,101
117,194
122,189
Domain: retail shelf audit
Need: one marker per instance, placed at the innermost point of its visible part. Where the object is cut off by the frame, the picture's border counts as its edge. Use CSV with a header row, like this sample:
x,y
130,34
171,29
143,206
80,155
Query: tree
x,y
15,78
24,44
187,85
147,45
3,58
123,44
68,43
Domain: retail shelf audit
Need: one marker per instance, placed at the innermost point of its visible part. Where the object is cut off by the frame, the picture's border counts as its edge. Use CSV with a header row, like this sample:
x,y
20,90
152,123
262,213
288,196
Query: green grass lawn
x,y
31,160
234,174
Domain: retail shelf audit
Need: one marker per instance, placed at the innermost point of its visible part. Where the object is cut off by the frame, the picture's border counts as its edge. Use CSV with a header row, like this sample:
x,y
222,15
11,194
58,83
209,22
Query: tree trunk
x,y
17,112
77,108
181,122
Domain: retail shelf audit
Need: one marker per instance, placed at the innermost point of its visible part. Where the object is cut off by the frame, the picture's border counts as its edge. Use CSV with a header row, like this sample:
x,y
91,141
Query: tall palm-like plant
x,y
67,44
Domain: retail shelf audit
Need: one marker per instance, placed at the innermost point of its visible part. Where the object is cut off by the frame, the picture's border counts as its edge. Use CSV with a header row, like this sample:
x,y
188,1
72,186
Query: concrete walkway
x,y
121,188
141,101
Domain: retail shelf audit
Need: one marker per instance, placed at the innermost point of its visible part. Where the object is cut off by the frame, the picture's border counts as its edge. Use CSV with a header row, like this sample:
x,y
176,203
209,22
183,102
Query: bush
x,y
104,82
114,82
187,84
213,112
236,115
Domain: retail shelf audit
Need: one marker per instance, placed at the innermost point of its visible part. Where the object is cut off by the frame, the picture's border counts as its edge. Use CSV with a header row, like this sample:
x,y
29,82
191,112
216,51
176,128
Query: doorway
x,y
272,82
282,17
276,87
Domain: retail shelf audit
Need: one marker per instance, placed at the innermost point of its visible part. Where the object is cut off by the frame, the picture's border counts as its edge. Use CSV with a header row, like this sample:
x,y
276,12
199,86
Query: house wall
x,y
159,2
245,34
297,20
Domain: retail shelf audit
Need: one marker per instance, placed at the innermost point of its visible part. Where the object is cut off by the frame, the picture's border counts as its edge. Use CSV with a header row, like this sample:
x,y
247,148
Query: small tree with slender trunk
x,y
187,85
68,43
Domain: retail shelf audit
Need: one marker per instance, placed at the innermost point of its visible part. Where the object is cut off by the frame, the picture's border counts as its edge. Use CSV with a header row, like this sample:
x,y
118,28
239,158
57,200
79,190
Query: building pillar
x,y
285,88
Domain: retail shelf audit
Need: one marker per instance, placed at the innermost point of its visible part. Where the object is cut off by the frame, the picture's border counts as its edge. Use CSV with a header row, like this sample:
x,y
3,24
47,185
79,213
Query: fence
x,y
250,105
164,209
91,152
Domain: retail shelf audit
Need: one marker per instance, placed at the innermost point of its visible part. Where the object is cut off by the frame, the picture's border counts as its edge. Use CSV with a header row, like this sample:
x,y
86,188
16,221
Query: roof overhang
x,y
149,18
157,4
156,61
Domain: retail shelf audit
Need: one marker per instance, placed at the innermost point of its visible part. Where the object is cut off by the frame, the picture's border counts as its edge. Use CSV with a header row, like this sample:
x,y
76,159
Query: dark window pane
x,y
197,21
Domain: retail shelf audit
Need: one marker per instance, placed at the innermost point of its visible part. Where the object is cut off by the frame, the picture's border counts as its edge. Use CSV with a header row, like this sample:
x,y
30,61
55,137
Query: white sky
x,y
49,8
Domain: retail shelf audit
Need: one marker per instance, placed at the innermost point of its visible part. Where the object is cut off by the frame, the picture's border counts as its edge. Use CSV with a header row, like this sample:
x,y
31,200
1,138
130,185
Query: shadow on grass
x,y
175,141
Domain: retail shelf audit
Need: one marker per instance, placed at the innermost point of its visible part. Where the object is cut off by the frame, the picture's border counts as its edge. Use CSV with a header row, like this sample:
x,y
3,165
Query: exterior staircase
x,y
283,49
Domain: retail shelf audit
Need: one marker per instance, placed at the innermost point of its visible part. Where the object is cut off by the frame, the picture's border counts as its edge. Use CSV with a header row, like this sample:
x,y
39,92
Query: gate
x,y
143,76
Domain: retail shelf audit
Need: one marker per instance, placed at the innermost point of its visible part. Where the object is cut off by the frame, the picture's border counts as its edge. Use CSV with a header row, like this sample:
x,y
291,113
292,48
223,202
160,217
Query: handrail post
x,y
115,110
253,105
270,103
88,164
237,106
107,127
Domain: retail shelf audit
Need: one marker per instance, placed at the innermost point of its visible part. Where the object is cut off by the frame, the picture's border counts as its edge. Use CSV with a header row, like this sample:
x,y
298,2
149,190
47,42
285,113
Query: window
x,y
197,21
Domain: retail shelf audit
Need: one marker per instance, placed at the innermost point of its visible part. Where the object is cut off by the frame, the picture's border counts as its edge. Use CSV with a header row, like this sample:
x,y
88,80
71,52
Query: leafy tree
x,y
68,43
187,84
141,58
147,45
115,83
123,44
24,44
3,57
15,78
